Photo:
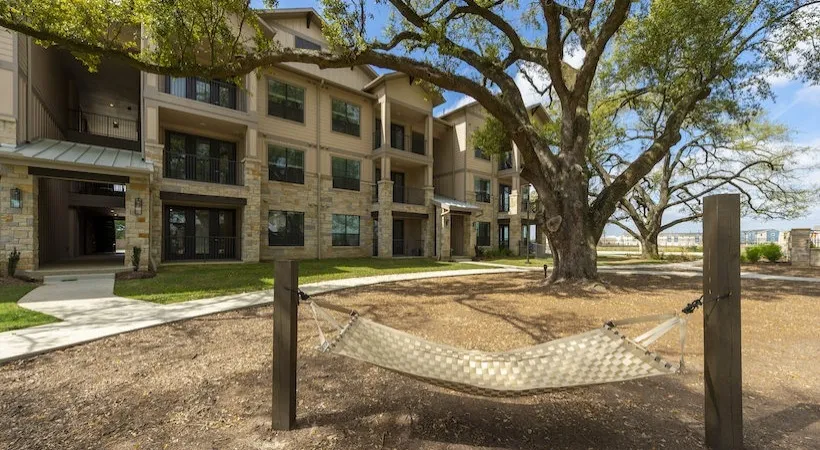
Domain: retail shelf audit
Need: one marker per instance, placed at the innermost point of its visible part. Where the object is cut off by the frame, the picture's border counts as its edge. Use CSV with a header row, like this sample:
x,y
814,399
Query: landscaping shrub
x,y
743,258
771,251
135,258
753,253
14,258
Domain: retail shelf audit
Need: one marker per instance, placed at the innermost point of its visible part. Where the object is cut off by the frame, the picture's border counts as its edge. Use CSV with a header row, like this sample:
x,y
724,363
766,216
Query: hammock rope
x,y
599,356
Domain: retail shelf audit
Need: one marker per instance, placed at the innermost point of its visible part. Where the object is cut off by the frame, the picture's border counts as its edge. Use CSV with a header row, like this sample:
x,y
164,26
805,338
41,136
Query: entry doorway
x,y
457,234
398,237
198,233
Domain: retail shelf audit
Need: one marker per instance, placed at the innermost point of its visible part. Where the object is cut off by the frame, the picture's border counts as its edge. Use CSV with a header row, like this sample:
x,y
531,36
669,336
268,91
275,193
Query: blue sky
x,y
796,105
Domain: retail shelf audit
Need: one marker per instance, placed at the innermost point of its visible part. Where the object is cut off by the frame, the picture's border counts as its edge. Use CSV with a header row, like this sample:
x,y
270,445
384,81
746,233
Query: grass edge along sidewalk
x,y
181,283
12,315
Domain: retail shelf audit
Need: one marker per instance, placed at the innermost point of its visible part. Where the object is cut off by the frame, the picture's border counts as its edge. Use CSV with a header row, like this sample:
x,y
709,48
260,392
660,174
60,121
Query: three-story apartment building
x,y
296,162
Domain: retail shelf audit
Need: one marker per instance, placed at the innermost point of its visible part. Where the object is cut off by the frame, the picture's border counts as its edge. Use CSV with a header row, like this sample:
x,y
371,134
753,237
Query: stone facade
x,y
18,226
281,196
251,225
800,247
137,226
8,131
385,227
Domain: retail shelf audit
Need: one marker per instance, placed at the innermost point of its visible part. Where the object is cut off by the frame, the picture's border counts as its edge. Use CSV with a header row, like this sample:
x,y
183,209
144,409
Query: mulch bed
x,y
206,383
132,275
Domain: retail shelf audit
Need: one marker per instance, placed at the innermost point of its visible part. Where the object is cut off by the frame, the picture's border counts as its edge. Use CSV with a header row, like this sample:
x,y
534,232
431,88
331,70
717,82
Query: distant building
x,y
680,239
752,237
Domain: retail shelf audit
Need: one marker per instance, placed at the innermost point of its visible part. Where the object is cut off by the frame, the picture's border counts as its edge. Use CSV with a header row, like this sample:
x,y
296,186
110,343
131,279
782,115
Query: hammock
x,y
599,356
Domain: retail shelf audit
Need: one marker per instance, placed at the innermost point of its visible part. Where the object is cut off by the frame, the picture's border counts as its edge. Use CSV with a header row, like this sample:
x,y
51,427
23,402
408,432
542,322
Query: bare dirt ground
x,y
782,269
206,383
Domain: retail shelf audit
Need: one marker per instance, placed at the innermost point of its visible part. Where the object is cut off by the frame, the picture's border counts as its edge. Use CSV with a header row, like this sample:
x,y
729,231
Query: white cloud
x,y
574,57
808,94
530,90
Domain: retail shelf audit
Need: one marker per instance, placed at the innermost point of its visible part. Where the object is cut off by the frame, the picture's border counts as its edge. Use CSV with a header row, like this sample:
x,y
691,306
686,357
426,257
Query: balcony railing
x,y
408,247
214,92
504,204
415,143
103,125
483,197
409,195
205,169
505,161
351,184
204,248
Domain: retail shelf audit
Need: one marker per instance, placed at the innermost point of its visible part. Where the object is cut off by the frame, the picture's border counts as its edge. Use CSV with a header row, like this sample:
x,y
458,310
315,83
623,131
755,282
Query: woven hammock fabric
x,y
594,357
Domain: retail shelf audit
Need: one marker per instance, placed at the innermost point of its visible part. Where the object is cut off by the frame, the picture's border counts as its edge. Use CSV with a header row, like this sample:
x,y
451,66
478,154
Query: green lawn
x,y
179,283
13,317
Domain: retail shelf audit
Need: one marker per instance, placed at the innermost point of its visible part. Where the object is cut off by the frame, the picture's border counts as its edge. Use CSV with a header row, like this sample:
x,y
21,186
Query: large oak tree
x,y
690,49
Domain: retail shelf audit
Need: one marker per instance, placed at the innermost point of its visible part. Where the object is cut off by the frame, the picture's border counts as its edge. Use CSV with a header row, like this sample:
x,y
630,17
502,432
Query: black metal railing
x,y
505,244
203,248
505,161
286,174
351,184
103,125
415,143
375,194
214,92
377,140
504,203
202,168
408,195
408,247
345,240
483,197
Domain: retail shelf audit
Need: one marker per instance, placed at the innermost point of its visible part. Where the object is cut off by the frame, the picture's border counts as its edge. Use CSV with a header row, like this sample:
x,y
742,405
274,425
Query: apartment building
x,y
296,162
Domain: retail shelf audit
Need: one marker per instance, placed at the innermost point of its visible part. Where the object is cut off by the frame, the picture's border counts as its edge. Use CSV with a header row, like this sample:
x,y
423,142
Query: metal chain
x,y
697,303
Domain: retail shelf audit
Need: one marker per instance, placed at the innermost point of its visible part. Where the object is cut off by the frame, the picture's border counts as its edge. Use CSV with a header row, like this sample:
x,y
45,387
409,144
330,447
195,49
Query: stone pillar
x,y
251,214
429,225
251,91
470,234
18,226
800,247
137,226
8,131
152,205
428,136
442,233
385,236
516,237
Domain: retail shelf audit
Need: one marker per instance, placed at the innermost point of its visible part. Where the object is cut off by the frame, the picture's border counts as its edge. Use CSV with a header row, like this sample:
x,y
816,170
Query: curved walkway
x,y
89,310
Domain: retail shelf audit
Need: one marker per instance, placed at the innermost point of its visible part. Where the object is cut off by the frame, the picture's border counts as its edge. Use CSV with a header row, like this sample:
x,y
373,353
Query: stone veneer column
x,y
251,214
18,226
385,231
152,205
470,234
442,233
429,224
800,247
137,226
8,131
515,221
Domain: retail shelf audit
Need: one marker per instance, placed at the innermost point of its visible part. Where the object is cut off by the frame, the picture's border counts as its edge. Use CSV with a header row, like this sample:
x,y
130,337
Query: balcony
x,y
201,168
205,248
483,197
408,195
415,143
503,204
505,161
214,92
103,130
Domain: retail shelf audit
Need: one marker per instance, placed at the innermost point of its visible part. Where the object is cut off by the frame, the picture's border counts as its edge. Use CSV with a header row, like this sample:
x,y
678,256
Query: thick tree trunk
x,y
649,247
575,254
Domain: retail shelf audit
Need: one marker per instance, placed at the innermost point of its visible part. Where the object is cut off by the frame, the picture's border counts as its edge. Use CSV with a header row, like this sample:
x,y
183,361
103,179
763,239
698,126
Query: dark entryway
x,y
197,233
398,237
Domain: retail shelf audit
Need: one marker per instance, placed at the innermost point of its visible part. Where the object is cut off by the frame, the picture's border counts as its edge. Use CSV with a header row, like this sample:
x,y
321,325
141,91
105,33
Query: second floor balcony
x,y
403,194
203,169
214,92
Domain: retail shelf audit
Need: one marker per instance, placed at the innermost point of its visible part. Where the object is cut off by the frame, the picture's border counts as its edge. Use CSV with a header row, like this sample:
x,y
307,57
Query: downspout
x,y
318,117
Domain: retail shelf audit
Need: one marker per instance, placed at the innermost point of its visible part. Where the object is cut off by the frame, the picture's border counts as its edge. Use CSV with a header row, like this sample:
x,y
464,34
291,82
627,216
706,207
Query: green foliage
x,y
136,254
771,251
753,254
492,138
14,259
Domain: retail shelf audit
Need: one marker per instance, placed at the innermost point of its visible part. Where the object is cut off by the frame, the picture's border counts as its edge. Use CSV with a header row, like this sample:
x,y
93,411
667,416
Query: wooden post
x,y
721,322
285,312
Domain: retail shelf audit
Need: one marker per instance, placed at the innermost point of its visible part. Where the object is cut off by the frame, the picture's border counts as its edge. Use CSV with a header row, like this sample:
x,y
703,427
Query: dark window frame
x,y
482,239
345,125
397,130
286,174
346,181
479,153
285,104
294,232
483,195
220,166
346,238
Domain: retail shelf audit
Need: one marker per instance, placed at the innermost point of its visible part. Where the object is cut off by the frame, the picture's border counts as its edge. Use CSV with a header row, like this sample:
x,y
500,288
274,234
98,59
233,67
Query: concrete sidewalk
x,y
90,310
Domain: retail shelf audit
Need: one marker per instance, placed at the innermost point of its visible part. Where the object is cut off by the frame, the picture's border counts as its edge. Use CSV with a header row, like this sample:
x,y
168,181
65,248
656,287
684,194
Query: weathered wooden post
x,y
285,313
721,321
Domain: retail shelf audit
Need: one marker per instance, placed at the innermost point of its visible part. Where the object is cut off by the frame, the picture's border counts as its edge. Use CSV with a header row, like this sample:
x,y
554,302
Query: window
x,y
482,238
345,173
377,135
286,101
504,198
198,158
286,164
286,229
479,153
482,190
505,161
418,143
345,117
345,230
397,136
306,44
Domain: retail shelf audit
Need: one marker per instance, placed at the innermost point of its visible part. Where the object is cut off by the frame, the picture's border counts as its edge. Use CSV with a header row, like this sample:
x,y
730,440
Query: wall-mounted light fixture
x,y
138,206
16,198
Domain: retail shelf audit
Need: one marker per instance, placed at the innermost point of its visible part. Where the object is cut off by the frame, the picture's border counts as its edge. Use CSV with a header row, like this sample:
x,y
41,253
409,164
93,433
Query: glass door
x,y
398,237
